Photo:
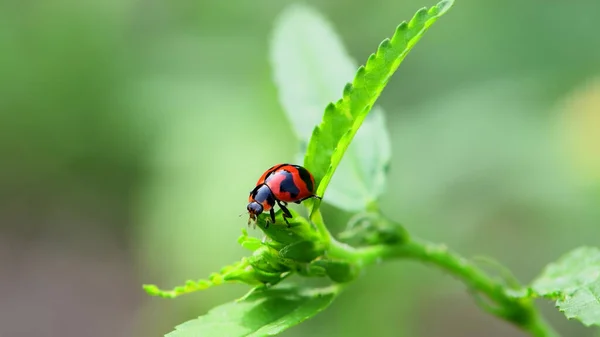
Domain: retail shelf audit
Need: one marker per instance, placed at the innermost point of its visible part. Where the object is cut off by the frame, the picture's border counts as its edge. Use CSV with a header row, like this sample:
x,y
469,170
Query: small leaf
x,y
338,271
240,271
583,304
281,235
574,280
249,242
574,270
302,251
312,270
342,120
373,228
268,260
310,66
264,312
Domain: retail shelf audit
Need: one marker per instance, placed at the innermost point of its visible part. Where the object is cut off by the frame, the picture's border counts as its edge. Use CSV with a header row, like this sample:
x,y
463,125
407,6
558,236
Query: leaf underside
x,y
262,313
574,281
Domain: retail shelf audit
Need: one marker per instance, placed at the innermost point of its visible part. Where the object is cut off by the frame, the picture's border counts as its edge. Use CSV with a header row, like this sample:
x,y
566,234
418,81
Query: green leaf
x,y
249,242
237,272
302,251
311,66
281,235
265,312
373,228
574,281
338,271
342,120
267,259
583,304
572,271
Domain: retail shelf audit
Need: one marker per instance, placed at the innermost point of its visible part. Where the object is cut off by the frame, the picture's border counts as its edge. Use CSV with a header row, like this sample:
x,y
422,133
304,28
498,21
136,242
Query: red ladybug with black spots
x,y
279,185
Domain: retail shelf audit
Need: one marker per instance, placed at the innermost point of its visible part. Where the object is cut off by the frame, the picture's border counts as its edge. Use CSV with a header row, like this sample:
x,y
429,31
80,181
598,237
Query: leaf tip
x,y
420,17
347,89
370,61
385,44
151,289
400,33
360,73
443,6
329,108
401,27
216,278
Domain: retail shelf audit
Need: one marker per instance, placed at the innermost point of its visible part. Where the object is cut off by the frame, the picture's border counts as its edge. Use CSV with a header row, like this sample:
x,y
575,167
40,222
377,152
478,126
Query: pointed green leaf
x,y
342,120
249,242
265,312
574,280
237,272
311,66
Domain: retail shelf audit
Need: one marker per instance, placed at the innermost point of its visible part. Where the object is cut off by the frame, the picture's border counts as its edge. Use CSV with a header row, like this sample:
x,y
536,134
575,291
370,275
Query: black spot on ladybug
x,y
287,185
305,176
253,192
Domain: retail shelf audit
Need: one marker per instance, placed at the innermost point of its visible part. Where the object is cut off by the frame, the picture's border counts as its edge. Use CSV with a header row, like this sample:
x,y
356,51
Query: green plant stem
x,y
520,311
335,248
317,219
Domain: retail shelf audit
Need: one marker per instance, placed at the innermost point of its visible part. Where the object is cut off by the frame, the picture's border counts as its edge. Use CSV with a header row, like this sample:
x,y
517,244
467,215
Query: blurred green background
x,y
132,131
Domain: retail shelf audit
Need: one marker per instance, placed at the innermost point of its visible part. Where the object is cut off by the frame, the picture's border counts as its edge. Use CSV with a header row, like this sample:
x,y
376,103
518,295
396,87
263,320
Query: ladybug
x,y
280,184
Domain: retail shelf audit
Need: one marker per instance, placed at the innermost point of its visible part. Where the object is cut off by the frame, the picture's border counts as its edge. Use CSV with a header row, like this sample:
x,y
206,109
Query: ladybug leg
x,y
272,214
286,212
312,196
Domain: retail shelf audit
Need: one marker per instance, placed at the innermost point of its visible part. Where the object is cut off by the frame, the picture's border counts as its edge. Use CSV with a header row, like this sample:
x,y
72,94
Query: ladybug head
x,y
254,209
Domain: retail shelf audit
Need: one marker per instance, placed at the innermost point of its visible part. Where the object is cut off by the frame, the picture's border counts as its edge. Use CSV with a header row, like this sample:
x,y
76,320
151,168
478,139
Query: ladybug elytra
x,y
279,185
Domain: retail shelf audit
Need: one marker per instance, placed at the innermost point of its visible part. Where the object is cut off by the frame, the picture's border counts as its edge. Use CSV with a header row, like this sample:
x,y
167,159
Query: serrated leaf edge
x,y
422,17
